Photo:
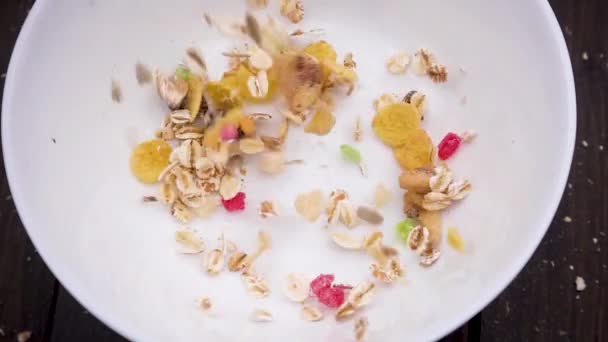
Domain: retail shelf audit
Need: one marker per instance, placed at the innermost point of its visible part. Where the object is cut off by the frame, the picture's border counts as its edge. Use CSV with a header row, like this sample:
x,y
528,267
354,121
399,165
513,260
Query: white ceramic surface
x,y
83,209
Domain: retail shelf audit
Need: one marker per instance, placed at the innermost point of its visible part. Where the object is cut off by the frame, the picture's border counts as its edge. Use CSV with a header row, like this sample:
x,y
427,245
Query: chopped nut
x,y
412,203
429,255
417,99
349,62
459,190
309,205
298,287
293,10
205,303
190,242
436,201
441,179
251,145
417,238
214,261
347,241
397,64
237,262
256,285
370,215
468,135
272,162
358,297
361,325
438,73
422,62
311,313
382,195
388,273
384,100
261,315
267,209
149,199
229,187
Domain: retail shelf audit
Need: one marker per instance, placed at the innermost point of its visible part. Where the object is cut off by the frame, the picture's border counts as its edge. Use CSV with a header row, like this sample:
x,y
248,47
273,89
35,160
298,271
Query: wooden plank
x,y
26,285
542,304
73,323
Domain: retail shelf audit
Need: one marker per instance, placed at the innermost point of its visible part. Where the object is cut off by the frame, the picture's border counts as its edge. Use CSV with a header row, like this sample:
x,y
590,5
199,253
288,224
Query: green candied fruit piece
x,y
182,73
350,153
404,227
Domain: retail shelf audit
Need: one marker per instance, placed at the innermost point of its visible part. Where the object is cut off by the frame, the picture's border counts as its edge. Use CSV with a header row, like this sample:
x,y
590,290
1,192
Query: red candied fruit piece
x,y
236,203
333,297
323,281
448,145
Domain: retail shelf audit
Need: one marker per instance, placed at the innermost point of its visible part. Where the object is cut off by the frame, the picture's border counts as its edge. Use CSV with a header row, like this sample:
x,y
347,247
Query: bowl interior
x,y
67,145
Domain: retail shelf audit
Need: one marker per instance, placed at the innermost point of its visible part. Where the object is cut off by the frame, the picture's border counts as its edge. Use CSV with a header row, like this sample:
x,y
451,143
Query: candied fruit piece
x,y
416,150
194,99
229,132
212,136
223,94
332,297
182,73
299,76
237,203
149,159
455,239
321,282
247,126
321,123
448,145
393,123
404,227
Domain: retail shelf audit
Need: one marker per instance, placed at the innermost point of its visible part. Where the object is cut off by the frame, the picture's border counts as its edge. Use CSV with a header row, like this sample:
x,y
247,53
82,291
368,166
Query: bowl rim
x,y
69,281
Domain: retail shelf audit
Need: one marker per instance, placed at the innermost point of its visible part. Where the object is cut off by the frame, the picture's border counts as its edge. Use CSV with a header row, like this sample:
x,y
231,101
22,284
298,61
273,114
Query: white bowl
x,y
83,209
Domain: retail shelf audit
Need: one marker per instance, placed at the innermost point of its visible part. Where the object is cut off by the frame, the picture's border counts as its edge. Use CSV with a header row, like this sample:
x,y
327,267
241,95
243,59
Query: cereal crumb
x,y
116,92
3,75
361,328
569,185
600,147
205,303
2,332
567,219
571,267
585,56
24,336
594,240
580,284
584,143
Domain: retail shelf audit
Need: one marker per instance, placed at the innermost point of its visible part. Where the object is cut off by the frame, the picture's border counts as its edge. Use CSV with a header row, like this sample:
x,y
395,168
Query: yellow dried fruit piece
x,y
212,133
299,79
194,99
149,159
223,94
321,123
325,54
247,125
242,74
455,239
392,123
416,150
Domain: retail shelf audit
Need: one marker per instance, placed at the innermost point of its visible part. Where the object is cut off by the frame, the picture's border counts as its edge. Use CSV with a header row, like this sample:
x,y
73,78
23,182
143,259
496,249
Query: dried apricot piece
x,y
149,159
194,99
415,151
247,126
393,123
321,123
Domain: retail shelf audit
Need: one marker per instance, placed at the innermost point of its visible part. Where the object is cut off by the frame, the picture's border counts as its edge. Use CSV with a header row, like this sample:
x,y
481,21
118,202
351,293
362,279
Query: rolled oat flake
x,y
370,215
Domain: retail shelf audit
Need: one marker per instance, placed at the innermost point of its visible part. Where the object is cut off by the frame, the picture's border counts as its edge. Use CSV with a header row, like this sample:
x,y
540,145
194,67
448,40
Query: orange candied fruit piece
x,y
212,134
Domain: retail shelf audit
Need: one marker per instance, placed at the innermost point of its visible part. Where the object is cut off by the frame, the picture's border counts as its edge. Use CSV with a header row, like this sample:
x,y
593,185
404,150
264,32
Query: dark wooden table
x,y
542,303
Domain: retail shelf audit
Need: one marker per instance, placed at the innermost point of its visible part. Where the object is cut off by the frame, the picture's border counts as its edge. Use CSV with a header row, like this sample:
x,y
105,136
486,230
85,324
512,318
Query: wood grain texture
x,y
542,304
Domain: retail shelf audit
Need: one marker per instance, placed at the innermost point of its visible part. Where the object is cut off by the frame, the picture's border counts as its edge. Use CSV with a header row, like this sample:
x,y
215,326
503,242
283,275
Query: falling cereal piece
x,y
361,325
149,159
205,303
422,61
297,288
567,219
580,284
189,241
382,195
257,4
261,315
397,64
455,239
142,74
24,336
292,10
116,92
310,205
370,215
267,209
357,134
438,73
311,313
